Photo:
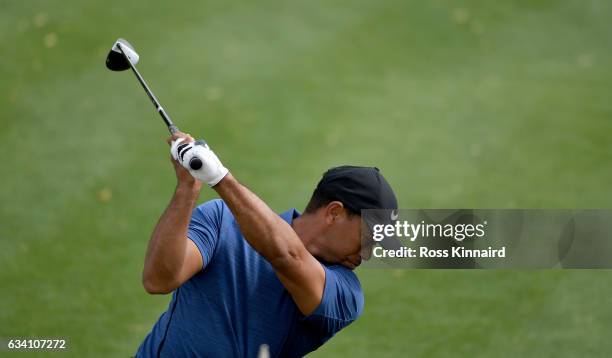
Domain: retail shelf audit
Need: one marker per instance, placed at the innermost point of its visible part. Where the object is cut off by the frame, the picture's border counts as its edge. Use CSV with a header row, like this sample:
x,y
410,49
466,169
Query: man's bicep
x,y
193,262
304,278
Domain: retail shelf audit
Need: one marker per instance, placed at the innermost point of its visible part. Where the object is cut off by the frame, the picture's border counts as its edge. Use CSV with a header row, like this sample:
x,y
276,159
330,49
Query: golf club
x,y
123,56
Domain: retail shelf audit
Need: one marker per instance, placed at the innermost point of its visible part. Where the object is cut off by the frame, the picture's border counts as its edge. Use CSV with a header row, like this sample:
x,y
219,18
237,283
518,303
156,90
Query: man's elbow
x,y
156,286
285,260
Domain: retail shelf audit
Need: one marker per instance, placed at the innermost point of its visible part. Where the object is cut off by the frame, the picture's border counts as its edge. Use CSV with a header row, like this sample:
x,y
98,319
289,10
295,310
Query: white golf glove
x,y
199,160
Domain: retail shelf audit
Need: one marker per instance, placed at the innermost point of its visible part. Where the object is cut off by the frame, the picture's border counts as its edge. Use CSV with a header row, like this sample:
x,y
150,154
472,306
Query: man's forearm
x,y
267,233
300,273
167,247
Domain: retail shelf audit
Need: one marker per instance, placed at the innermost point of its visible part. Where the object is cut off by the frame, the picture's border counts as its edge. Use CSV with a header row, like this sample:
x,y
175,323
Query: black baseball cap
x,y
357,188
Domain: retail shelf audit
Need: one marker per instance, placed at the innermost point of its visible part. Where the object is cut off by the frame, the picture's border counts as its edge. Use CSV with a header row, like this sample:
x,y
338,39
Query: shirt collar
x,y
290,215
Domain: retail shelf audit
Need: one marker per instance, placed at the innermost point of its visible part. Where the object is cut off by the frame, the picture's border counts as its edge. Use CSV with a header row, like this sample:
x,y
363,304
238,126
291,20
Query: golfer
x,y
243,276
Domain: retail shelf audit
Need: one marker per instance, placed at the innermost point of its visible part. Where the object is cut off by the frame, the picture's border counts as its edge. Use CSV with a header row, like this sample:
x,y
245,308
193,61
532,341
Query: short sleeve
x,y
342,302
204,228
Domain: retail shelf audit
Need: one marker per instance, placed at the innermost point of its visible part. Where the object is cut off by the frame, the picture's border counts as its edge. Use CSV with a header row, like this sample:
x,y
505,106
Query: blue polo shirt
x,y
237,303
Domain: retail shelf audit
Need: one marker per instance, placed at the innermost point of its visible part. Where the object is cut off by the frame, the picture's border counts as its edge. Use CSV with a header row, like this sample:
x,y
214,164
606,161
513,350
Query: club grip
x,y
195,163
173,129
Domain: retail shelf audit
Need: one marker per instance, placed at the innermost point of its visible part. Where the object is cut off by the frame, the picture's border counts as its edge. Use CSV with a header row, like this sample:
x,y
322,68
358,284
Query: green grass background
x,y
460,103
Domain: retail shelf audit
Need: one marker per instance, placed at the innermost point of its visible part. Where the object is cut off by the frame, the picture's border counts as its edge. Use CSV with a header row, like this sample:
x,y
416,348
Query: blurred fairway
x,y
460,103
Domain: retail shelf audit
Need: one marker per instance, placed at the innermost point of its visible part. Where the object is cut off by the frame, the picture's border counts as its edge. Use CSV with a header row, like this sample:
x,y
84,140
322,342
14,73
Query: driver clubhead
x,y
115,60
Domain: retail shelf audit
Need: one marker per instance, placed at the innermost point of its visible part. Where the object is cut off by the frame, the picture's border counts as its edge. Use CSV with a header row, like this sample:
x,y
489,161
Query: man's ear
x,y
333,211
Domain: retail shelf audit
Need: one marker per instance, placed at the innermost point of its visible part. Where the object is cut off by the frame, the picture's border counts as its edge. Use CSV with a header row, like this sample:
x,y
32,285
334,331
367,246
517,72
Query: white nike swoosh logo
x,y
394,215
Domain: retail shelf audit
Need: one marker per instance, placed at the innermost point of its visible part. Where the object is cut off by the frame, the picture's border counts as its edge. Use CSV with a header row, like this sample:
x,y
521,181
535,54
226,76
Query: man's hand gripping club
x,y
186,151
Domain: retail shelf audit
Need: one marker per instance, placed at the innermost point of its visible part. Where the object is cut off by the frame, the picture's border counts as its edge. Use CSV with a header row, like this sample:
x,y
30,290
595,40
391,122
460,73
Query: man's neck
x,y
308,231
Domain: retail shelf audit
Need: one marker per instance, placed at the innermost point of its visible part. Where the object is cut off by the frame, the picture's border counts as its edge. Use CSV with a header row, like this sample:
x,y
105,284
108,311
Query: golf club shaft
x,y
171,127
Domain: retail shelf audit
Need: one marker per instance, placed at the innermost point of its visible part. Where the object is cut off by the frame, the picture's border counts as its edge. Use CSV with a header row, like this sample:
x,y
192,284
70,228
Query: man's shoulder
x,y
212,205
345,274
213,210
347,286
342,303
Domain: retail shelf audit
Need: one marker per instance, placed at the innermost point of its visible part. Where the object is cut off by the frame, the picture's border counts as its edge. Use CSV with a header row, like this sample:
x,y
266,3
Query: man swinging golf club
x,y
244,276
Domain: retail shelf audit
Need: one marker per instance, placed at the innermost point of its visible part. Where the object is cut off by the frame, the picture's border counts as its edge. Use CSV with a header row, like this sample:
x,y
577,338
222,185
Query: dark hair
x,y
319,200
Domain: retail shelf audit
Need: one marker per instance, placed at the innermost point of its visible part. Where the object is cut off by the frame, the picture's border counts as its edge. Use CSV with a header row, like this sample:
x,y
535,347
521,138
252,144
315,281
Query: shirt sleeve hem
x,y
201,250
